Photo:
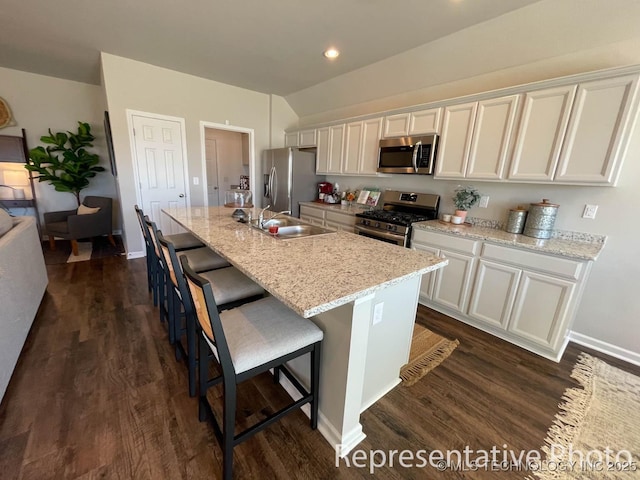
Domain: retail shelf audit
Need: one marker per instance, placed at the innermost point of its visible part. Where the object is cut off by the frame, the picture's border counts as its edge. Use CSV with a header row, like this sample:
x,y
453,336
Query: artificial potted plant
x,y
65,162
465,198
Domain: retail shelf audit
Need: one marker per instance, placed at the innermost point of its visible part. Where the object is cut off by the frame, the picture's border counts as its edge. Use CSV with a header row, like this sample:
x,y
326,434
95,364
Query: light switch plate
x,y
377,313
484,201
196,180
590,211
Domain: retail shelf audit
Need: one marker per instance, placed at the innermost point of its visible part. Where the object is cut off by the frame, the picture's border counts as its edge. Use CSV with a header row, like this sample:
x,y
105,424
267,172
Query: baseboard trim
x,y
606,348
132,255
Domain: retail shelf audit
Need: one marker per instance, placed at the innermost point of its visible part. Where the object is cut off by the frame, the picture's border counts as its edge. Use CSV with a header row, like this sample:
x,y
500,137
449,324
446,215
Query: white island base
x,y
366,342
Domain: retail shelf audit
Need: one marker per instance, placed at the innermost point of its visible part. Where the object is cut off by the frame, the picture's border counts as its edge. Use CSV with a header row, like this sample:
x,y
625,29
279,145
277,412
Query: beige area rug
x,y
596,435
428,350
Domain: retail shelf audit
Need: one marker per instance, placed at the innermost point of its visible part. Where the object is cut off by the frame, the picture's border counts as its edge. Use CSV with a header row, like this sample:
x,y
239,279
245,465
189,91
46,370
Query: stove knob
x,y
365,222
377,225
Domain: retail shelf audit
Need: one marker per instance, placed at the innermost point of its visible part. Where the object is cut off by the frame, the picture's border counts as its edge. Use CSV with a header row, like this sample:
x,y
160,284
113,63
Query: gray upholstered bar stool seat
x,y
184,241
247,341
232,286
204,259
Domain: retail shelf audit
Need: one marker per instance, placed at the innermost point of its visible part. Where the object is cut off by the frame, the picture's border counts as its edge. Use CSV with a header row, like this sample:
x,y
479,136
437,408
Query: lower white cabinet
x,y
527,298
426,287
328,218
314,216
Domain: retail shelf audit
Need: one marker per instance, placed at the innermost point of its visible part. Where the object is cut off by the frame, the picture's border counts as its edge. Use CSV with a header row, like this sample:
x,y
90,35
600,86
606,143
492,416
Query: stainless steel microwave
x,y
415,155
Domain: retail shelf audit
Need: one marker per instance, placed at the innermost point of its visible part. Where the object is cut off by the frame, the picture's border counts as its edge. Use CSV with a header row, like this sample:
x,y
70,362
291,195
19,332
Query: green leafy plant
x,y
465,197
65,162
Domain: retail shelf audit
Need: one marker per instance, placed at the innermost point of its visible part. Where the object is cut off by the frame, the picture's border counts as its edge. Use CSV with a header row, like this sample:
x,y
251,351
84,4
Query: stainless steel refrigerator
x,y
289,178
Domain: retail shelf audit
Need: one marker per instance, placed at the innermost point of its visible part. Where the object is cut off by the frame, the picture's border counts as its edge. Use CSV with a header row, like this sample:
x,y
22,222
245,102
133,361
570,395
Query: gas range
x,y
400,210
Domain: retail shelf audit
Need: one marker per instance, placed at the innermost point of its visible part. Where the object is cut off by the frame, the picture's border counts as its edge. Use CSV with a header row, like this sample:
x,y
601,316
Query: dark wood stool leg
x,y
111,240
52,242
228,430
191,352
74,247
203,369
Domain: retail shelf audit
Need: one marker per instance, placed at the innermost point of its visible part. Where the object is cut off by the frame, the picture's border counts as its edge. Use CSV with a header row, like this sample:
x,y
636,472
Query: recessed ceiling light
x,y
331,53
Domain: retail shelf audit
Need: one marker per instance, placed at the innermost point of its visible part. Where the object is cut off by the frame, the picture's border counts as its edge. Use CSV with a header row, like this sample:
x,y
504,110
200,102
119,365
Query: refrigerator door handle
x,y
274,186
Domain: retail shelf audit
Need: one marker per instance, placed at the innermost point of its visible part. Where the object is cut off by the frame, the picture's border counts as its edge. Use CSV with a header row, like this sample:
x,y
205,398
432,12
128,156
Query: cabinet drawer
x,y
343,218
448,242
536,261
311,212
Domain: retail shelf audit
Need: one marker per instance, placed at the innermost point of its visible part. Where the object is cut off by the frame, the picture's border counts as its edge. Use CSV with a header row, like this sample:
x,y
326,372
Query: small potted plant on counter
x,y
465,198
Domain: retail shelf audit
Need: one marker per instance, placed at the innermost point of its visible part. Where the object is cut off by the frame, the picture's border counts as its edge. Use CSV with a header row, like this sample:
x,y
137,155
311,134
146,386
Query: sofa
x,y
23,281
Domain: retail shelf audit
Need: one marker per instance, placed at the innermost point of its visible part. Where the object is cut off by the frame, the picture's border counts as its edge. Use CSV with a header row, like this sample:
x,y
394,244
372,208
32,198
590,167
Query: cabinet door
x,y
291,139
323,152
396,125
455,143
541,310
425,121
451,284
336,142
352,148
491,138
426,286
371,133
545,114
307,138
598,131
494,291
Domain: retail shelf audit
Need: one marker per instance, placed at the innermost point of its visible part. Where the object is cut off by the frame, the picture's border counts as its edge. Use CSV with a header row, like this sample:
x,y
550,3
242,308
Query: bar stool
x,y
247,341
231,287
203,259
184,241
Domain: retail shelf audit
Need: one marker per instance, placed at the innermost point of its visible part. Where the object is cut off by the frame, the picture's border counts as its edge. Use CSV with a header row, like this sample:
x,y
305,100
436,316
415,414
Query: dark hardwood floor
x,y
98,393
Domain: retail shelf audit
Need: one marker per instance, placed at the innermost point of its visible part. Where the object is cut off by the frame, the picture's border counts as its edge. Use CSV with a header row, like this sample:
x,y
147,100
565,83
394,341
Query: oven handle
x,y
414,159
380,233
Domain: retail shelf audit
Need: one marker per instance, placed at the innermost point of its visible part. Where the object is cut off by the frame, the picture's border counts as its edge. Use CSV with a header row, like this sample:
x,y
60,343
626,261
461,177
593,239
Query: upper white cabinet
x,y
329,152
413,123
598,131
291,139
476,138
455,142
545,114
396,125
302,138
361,147
425,121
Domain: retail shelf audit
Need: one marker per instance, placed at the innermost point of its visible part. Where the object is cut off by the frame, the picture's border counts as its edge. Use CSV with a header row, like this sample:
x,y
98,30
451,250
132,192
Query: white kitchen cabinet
x,y
451,285
291,139
494,291
307,138
597,136
340,221
329,149
541,309
426,286
455,141
312,215
491,138
361,147
396,125
545,114
425,121
476,138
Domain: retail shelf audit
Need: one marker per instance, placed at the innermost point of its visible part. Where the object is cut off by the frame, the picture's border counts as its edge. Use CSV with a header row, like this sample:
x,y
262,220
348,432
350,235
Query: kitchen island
x,y
362,293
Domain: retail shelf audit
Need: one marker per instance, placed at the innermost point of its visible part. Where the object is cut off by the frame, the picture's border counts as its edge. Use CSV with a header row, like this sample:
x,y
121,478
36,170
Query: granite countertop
x,y
581,246
312,274
336,207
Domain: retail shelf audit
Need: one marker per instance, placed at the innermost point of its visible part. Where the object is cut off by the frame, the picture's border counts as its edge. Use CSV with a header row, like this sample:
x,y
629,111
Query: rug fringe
x,y
573,409
424,364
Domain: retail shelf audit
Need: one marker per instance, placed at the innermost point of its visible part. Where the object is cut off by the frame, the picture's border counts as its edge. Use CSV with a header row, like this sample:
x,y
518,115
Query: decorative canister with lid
x,y
540,220
515,222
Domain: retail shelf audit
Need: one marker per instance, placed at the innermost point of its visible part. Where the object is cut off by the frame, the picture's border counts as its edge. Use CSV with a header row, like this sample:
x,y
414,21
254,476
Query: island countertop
x,y
313,274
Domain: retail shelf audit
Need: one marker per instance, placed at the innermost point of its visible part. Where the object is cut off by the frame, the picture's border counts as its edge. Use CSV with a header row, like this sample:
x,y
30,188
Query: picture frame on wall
x,y
109,141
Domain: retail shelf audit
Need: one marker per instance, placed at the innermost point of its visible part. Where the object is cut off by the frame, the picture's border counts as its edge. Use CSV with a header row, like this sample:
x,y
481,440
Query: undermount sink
x,y
289,227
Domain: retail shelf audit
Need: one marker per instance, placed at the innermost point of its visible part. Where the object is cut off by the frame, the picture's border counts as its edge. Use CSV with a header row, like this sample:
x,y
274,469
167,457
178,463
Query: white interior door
x,y
161,167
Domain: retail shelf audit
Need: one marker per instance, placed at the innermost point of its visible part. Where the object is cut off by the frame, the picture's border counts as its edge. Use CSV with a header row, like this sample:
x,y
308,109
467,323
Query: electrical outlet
x,y
590,211
196,180
484,201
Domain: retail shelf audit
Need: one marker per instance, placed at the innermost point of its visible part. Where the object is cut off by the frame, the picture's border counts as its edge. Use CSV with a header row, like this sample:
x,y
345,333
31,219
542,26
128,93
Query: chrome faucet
x,y
261,215
263,222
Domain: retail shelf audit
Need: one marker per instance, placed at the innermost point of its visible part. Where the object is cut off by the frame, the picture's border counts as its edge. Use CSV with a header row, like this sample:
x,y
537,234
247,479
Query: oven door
x,y
380,235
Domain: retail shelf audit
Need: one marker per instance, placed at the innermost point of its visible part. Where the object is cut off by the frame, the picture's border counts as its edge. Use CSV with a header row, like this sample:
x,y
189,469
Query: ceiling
x,y
268,46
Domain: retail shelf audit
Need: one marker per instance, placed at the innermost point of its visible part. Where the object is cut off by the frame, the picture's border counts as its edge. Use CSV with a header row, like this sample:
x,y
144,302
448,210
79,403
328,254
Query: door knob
x,y
181,195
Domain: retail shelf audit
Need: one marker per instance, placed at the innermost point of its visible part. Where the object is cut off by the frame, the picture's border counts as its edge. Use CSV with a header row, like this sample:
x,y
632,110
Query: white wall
x,y
38,103
138,86
548,39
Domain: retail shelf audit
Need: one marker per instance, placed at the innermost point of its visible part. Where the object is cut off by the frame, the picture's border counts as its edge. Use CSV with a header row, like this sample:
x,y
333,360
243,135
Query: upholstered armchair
x,y
70,225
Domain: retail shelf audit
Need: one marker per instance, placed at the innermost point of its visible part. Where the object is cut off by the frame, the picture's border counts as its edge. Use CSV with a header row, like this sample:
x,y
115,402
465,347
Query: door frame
x,y
132,144
252,161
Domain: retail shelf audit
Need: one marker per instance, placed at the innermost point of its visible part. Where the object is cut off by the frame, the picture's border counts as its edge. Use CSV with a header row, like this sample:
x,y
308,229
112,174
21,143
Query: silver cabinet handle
x,y
181,195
